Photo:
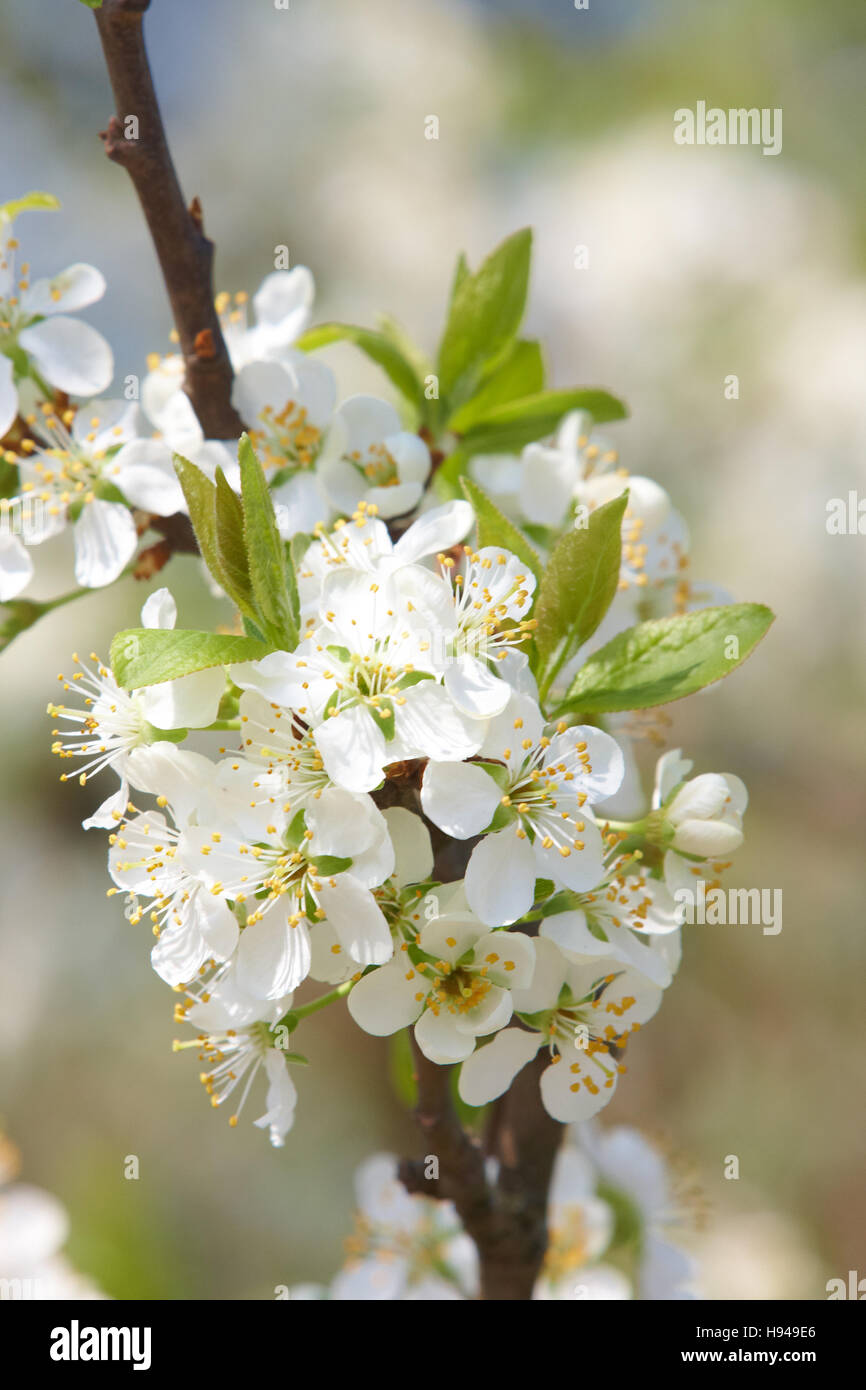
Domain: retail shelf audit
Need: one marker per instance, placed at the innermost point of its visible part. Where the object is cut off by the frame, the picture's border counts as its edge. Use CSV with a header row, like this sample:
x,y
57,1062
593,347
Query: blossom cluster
x,y
279,860
398,775
103,465
620,1219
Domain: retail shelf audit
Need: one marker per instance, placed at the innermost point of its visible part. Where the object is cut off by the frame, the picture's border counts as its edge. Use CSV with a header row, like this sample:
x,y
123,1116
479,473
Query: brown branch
x,y
185,254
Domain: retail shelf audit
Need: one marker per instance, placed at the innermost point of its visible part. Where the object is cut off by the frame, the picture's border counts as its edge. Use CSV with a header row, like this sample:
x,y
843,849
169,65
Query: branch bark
x,y
185,254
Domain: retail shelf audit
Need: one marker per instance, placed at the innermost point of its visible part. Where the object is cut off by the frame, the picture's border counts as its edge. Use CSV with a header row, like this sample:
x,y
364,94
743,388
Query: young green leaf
x,y
519,374
485,313
147,656
377,346
519,422
266,552
578,587
667,659
200,495
494,528
231,548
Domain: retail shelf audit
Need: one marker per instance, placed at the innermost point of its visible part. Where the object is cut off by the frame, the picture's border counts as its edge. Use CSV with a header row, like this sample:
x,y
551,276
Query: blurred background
x,y
306,128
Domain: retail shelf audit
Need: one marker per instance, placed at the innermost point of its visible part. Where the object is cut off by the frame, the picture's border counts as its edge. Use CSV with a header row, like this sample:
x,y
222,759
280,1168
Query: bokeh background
x,y
306,127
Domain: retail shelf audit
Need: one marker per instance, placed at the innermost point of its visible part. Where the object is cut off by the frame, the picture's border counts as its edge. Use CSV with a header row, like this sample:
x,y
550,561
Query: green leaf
x,y
92,4
494,528
519,374
200,494
377,346
266,552
231,547
16,615
328,864
578,587
520,422
667,659
384,712
486,308
147,656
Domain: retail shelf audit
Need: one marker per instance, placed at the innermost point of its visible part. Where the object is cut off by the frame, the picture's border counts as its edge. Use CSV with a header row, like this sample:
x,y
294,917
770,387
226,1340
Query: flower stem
x,y
294,1016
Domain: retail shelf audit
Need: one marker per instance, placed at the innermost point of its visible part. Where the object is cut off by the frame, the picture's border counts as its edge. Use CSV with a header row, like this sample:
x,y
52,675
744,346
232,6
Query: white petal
x,y
500,878
475,689
438,529
285,299
144,473
8,394
357,919
105,542
707,837
395,500
273,958
547,484
179,774
429,724
385,1000
368,421
514,965
413,852
270,677
353,749
16,566
489,1072
260,386
581,869
159,609
461,798
411,456
282,1098
110,813
703,797
441,1040
671,768
72,289
70,355
566,1104
300,505
548,977
191,702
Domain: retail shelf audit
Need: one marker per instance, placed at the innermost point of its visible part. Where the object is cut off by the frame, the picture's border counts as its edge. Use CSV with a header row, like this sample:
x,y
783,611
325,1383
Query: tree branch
x,y
185,254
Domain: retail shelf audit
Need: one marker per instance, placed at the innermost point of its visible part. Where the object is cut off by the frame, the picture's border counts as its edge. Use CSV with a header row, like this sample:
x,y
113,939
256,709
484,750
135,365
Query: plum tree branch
x,y
136,140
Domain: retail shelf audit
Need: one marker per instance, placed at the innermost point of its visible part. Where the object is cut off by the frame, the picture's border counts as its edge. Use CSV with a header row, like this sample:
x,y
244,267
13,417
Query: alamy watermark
x,y
719,907
737,126
23,516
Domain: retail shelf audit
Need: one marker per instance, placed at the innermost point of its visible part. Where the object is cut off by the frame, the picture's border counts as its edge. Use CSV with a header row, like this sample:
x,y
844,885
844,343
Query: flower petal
x,y
500,878
105,542
16,566
490,1070
387,999
357,919
440,1039
273,957
70,355
8,395
65,293
413,853
461,798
